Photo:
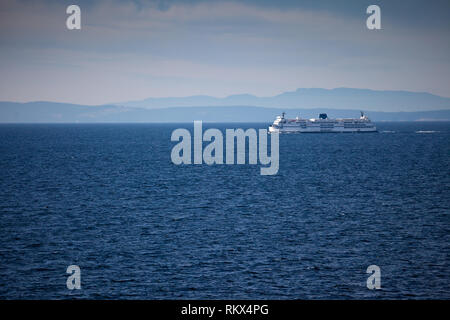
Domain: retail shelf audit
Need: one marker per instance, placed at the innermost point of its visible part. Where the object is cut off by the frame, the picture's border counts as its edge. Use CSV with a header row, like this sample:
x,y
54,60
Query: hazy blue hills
x,y
339,98
339,102
45,112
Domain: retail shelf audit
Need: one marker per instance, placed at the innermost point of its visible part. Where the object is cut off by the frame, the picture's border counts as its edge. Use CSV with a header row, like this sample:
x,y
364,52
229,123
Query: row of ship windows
x,y
332,126
324,122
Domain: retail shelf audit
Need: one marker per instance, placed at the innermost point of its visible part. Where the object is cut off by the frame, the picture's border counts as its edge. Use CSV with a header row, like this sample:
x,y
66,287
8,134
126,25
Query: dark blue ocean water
x,y
106,197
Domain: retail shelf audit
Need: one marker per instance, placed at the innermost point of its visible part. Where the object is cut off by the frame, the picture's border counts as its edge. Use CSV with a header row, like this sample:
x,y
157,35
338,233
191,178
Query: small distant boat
x,y
322,124
426,131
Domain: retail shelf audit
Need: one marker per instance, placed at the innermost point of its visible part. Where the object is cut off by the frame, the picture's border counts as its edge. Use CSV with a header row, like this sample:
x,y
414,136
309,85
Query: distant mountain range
x,y
307,103
50,112
339,98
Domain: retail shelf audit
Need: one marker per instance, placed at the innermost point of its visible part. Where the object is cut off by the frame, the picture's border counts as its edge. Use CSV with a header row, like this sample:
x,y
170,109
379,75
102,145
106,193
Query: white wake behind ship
x,y
322,124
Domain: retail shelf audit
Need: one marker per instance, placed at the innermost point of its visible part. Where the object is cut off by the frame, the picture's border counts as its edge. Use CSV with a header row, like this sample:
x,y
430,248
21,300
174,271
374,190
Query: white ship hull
x,y
318,130
322,125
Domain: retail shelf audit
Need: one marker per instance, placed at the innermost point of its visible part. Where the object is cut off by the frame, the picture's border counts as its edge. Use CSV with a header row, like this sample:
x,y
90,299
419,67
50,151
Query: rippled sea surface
x,y
106,197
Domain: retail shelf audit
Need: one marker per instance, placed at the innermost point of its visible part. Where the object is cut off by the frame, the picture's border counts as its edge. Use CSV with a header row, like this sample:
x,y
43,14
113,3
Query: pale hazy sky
x,y
130,50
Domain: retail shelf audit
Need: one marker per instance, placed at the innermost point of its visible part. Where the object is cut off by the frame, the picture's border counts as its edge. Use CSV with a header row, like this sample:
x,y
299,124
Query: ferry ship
x,y
322,124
